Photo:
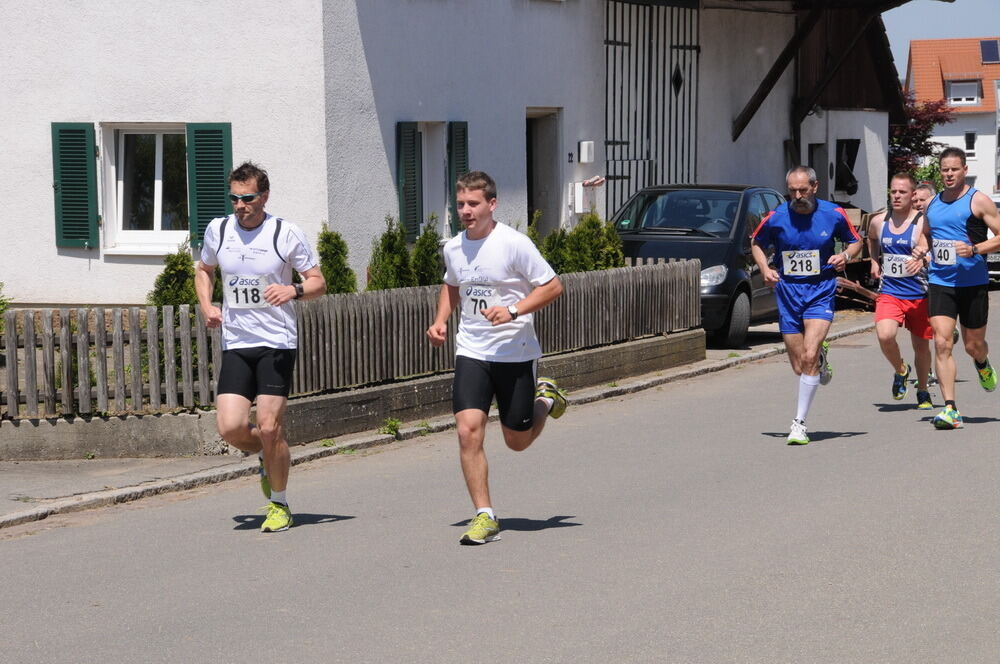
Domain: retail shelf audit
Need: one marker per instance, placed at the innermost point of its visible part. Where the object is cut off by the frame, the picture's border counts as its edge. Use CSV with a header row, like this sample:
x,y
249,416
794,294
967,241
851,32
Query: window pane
x,y
138,169
970,140
991,51
175,203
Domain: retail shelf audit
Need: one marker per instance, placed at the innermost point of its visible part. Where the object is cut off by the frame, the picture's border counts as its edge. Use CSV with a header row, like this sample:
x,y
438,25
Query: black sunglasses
x,y
246,198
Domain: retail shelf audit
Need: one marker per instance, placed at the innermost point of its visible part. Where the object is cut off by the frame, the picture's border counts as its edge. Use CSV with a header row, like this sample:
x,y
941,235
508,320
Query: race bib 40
x,y
944,252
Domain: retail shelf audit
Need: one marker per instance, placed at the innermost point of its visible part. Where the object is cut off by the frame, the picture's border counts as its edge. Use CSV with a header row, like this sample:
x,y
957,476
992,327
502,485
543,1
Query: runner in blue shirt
x,y
803,233
956,238
902,301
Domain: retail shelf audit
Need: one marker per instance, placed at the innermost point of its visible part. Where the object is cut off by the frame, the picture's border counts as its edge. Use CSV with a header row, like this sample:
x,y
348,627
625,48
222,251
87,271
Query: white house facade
x,y
119,130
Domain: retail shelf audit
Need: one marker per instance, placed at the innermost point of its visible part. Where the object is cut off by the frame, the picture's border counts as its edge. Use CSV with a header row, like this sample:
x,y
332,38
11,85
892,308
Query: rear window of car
x,y
710,211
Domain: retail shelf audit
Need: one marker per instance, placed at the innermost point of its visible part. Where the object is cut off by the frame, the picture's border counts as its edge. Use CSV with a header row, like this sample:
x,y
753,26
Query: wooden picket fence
x,y
149,359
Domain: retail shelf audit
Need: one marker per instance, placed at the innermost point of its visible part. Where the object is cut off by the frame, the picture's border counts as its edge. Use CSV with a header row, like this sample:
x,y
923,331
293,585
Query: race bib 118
x,y
245,291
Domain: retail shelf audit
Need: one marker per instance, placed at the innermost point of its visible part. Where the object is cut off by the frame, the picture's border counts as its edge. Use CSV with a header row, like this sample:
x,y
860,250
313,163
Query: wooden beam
x,y
777,69
803,107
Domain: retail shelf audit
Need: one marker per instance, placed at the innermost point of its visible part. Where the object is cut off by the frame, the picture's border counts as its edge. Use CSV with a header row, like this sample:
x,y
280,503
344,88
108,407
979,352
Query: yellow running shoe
x,y
547,387
483,529
265,484
278,518
987,377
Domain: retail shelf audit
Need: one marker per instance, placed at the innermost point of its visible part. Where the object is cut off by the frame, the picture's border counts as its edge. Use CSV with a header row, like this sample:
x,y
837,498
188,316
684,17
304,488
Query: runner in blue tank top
x,y
955,237
892,236
803,233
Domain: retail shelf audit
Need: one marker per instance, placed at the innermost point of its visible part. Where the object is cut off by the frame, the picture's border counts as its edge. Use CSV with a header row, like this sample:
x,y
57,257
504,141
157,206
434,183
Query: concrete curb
x,y
314,451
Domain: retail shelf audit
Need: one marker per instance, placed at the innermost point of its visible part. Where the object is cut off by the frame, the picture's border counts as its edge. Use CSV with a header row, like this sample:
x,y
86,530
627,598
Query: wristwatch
x,y
974,250
512,310
299,292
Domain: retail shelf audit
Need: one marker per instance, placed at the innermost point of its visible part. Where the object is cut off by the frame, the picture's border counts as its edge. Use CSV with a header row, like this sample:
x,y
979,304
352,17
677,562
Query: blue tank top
x,y
951,221
895,280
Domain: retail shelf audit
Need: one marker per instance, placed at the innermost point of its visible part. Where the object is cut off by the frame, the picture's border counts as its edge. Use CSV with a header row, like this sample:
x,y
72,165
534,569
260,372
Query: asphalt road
x,y
672,525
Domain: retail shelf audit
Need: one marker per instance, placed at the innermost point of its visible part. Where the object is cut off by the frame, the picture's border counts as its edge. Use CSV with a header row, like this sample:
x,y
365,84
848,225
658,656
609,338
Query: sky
x,y
932,19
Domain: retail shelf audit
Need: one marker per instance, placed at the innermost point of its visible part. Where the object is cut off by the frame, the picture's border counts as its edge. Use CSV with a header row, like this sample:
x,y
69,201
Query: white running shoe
x,y
825,370
798,435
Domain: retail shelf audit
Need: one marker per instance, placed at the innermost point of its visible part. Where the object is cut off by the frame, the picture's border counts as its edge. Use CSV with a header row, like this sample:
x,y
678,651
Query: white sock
x,y
548,401
488,511
279,497
807,390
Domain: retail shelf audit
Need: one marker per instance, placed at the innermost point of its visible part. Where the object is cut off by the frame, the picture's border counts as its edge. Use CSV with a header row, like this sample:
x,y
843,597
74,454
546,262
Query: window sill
x,y
141,250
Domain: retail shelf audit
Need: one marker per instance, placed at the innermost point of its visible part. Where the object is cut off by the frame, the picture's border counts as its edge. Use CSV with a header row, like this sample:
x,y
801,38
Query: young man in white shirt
x,y
499,279
256,253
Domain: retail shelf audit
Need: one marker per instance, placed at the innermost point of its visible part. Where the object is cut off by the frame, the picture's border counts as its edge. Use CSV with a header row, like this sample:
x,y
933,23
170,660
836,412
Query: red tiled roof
x,y
934,61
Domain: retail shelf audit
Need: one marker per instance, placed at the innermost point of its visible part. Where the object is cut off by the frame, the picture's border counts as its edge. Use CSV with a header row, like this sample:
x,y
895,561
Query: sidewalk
x,y
33,490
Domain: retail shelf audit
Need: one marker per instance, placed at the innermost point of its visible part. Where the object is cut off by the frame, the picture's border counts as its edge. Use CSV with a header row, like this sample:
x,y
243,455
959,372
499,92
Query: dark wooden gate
x,y
651,107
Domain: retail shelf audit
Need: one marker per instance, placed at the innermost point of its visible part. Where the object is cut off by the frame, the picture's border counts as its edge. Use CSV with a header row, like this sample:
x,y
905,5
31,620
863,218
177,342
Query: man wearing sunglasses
x,y
256,253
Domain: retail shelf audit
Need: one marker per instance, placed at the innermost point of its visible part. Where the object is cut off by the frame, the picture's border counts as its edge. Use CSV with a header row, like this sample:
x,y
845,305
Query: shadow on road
x,y
816,436
255,521
529,524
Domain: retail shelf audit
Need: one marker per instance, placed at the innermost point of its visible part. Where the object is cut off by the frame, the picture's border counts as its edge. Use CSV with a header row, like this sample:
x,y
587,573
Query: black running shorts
x,y
513,383
253,371
970,305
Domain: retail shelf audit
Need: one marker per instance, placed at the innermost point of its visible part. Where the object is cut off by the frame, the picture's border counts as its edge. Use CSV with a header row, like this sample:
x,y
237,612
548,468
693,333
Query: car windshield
x,y
695,212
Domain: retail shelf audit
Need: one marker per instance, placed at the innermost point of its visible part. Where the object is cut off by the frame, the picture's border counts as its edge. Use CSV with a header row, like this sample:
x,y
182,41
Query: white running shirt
x,y
501,269
250,260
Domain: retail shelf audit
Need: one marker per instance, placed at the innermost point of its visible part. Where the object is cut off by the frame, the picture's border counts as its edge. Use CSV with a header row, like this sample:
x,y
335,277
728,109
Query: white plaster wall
x,y
871,167
481,61
983,165
257,65
737,50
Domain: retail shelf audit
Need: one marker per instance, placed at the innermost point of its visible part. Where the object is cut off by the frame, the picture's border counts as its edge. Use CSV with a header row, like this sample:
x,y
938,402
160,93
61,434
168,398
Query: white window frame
x,y
970,153
958,93
118,241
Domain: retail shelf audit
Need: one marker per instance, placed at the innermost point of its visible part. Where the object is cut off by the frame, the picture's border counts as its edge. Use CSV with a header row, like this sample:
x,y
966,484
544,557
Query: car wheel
x,y
734,333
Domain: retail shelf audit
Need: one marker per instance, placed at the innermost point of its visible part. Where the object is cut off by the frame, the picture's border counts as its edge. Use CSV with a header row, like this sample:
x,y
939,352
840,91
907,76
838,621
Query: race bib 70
x,y
476,297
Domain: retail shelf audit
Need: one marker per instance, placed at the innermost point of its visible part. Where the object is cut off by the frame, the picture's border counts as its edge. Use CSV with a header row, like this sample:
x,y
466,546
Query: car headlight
x,y
713,276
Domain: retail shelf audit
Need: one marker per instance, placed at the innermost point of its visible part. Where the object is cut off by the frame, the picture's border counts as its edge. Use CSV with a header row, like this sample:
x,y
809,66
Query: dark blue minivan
x,y
712,223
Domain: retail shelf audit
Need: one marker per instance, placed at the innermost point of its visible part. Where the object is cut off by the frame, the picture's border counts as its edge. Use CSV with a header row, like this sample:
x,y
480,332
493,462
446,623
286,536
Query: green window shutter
x,y
409,177
210,160
458,165
74,165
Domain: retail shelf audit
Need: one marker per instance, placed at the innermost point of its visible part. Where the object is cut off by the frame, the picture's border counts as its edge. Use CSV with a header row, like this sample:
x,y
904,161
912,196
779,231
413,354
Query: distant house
x,y
966,72
120,122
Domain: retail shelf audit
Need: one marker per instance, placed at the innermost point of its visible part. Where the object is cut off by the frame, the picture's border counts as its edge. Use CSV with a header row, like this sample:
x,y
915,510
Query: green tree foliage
x,y
4,304
390,262
591,245
910,144
175,285
930,172
332,249
428,265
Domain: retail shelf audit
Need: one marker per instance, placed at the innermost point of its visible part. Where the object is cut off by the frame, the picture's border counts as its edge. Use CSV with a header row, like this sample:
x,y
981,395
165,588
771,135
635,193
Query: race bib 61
x,y
894,265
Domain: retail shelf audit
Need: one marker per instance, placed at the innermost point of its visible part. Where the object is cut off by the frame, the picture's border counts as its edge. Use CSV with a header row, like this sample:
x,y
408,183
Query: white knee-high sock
x,y
807,390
